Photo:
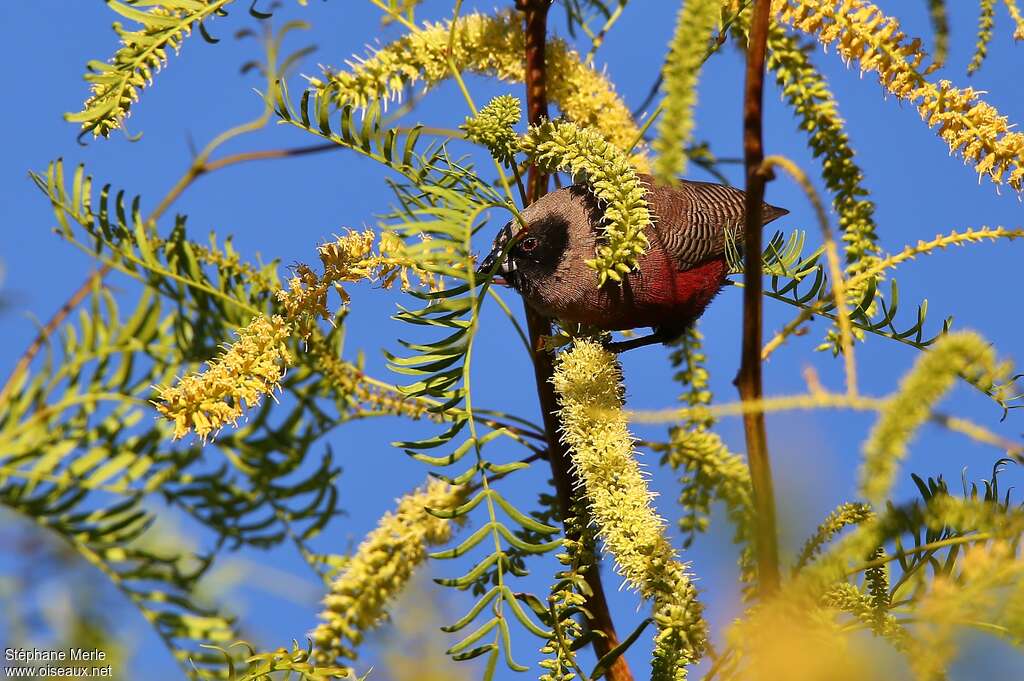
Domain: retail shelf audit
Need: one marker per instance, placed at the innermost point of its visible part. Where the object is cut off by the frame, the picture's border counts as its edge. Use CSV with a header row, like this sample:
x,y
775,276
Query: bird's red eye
x,y
528,244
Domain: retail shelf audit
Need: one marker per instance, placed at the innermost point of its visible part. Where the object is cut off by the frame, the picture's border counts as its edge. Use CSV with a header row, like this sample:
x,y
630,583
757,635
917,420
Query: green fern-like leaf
x,y
117,84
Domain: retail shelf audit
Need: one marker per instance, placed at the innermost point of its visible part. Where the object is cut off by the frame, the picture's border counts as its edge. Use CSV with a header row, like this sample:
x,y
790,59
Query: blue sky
x,y
285,208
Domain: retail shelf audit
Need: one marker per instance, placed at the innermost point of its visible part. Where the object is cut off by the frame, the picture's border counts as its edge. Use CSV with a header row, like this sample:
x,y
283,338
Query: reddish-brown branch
x,y
749,379
50,328
535,18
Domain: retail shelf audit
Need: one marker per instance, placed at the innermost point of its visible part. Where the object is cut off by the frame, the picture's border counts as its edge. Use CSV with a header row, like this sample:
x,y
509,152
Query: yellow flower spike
x,y
491,46
349,258
986,20
493,127
561,145
842,516
964,353
249,369
589,386
808,93
381,568
860,32
694,27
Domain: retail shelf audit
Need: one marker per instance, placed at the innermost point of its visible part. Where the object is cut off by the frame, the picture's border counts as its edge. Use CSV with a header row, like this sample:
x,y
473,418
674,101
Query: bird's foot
x,y
632,343
660,335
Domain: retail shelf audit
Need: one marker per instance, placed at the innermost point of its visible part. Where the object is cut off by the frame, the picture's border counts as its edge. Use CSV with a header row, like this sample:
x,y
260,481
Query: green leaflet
x,y
117,83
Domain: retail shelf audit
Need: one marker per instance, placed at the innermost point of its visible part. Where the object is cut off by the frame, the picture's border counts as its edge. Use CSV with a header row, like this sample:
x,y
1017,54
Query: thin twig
x,y
923,548
198,168
203,167
599,619
749,378
835,270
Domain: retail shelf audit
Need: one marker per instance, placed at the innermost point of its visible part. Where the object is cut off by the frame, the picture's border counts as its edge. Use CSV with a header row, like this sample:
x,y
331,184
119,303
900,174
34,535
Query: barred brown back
x,y
692,218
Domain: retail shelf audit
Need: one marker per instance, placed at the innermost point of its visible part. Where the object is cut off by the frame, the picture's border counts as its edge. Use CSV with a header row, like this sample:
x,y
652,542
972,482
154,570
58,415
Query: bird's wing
x,y
692,218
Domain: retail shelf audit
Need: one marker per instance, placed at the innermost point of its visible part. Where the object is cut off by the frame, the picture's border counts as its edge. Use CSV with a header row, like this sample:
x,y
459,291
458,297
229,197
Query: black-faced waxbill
x,y
677,277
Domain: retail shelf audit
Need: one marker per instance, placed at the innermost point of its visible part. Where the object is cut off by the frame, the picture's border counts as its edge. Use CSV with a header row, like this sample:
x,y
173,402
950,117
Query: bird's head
x,y
528,256
531,257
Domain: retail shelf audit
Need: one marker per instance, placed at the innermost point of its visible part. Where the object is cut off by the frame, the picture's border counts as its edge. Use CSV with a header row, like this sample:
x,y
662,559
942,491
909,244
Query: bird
x,y
683,269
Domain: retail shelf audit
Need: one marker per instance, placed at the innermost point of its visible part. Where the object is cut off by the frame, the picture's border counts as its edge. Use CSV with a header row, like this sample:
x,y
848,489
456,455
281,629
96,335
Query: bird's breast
x,y
658,294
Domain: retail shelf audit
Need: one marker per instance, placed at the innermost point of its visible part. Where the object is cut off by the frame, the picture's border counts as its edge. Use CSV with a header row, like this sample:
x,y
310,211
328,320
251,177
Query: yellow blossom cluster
x,y
971,127
964,353
588,382
247,370
351,386
565,146
492,46
493,127
381,568
696,22
348,258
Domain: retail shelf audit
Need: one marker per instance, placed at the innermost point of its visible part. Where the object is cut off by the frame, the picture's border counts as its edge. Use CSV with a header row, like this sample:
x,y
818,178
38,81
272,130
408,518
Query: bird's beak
x,y
497,262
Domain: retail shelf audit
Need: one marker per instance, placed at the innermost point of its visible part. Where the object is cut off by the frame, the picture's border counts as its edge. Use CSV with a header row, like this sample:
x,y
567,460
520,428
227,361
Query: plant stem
x,y
749,378
200,166
535,17
931,546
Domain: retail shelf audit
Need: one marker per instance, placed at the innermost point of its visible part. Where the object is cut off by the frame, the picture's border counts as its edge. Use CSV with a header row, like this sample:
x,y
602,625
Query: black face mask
x,y
507,268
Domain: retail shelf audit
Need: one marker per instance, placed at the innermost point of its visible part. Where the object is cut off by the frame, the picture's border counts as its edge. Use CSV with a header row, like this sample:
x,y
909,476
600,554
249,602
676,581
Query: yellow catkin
x,y
861,33
588,382
253,366
841,517
561,145
381,568
1018,19
933,375
349,258
248,370
696,22
491,46
807,91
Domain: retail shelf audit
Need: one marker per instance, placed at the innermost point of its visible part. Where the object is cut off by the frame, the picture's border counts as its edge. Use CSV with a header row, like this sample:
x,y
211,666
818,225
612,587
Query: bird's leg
x,y
659,336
